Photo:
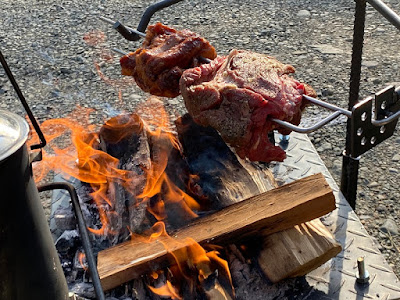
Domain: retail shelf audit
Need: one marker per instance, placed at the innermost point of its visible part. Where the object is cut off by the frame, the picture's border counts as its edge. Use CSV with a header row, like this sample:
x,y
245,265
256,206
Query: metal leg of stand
x,y
348,184
350,164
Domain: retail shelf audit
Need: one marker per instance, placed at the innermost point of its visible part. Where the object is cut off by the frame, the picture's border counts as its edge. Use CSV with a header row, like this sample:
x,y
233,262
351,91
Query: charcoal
x,y
77,262
67,242
64,218
83,191
83,289
138,290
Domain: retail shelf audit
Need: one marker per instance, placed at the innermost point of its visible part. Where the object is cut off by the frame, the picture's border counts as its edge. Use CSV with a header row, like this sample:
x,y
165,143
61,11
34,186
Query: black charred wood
x,y
223,179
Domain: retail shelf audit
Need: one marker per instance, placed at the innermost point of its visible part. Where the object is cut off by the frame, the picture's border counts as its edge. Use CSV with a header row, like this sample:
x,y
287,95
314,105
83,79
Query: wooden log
x,y
125,138
272,211
214,290
224,178
300,251
314,244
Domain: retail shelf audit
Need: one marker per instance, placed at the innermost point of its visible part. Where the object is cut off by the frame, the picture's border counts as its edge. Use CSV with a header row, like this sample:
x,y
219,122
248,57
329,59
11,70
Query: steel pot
x,y
29,264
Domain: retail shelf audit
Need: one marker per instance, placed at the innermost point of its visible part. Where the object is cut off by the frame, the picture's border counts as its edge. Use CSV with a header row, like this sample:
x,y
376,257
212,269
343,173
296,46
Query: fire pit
x,y
158,211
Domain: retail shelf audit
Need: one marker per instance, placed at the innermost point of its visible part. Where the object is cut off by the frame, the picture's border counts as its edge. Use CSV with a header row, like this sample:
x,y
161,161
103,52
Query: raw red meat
x,y
239,94
158,65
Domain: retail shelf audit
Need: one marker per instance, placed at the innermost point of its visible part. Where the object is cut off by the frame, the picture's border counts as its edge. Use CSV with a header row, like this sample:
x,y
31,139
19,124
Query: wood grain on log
x,y
314,245
272,211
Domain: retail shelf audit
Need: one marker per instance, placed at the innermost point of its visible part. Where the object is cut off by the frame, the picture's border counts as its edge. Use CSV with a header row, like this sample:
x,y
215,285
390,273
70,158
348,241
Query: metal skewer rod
x,y
122,28
337,110
386,120
119,51
308,129
337,113
386,11
329,106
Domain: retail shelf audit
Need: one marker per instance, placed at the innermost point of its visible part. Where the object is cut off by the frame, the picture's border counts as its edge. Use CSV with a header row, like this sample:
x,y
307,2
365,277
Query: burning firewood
x,y
273,211
124,138
289,253
147,167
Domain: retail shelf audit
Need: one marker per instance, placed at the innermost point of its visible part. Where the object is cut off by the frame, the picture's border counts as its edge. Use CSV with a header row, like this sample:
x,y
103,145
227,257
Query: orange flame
x,y
84,161
158,182
167,291
189,256
81,159
82,260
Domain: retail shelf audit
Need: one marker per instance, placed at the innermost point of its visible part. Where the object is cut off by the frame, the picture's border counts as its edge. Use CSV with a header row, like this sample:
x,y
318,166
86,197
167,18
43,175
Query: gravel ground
x,y
43,42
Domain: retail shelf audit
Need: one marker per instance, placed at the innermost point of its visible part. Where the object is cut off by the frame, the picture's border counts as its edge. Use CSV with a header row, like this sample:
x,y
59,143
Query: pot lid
x,y
13,133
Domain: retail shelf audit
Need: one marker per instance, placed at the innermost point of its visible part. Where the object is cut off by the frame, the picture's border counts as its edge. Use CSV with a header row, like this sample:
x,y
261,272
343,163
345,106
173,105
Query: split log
x,y
227,179
272,211
313,241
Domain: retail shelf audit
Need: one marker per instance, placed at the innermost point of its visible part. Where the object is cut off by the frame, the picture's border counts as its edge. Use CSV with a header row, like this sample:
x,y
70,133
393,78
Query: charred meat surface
x,y
238,95
158,65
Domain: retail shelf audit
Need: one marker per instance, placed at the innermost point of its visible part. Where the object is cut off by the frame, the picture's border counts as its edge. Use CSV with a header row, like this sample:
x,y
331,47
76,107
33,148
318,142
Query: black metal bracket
x,y
371,126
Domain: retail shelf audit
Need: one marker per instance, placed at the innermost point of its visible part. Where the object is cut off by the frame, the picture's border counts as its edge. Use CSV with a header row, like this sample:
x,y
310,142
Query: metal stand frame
x,y
378,125
350,164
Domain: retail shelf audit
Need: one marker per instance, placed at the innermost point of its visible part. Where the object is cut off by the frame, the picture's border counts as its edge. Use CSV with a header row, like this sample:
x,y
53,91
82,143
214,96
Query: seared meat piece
x,y
158,65
239,94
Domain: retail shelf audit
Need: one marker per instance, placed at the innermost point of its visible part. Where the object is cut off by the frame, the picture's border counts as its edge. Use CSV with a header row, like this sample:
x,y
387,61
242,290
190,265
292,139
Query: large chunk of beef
x,y
238,95
158,65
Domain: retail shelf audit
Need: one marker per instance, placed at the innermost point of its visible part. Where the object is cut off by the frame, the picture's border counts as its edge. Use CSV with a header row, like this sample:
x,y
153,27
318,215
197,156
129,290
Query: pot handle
x,y
26,107
82,230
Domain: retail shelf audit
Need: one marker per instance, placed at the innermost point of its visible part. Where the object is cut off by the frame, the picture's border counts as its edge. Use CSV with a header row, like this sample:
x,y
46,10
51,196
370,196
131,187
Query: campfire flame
x,y
191,258
83,160
167,291
82,260
73,148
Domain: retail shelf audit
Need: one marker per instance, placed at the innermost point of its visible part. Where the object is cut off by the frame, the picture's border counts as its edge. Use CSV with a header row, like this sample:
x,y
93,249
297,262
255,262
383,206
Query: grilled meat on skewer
x,y
165,53
239,94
